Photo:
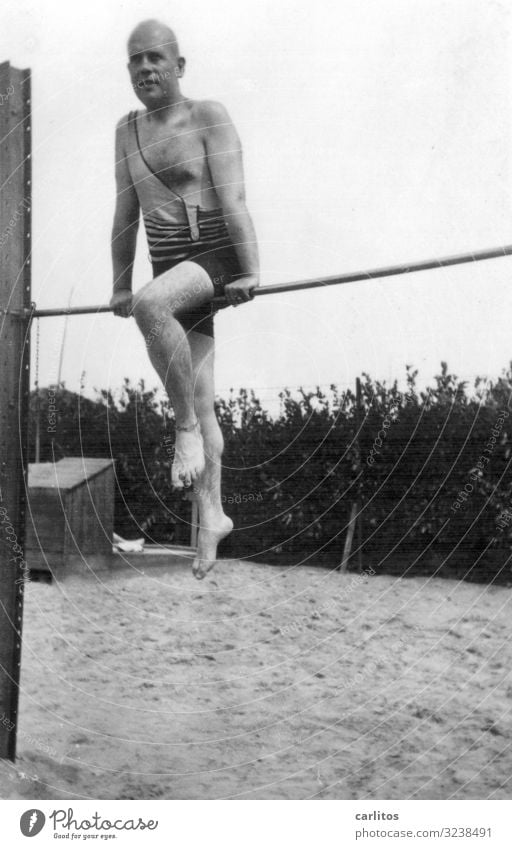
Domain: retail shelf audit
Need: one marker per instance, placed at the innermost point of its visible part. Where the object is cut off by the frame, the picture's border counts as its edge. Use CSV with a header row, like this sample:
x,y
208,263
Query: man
x,y
179,161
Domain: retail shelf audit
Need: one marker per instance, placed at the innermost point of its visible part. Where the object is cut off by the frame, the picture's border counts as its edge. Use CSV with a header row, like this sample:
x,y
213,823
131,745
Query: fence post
x,y
15,206
354,521
360,497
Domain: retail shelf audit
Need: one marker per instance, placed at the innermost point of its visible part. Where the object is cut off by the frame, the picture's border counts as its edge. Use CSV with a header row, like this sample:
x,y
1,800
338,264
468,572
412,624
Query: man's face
x,y
154,68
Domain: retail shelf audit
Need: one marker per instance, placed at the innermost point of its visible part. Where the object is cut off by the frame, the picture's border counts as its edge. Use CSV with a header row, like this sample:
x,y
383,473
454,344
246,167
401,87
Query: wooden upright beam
x,y
15,207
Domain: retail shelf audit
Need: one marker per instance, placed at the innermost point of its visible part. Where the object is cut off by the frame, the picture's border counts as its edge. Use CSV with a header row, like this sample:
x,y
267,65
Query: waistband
x,y
171,241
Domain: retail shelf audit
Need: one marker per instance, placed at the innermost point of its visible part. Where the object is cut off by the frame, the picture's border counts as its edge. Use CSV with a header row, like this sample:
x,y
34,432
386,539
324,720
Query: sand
x,y
263,683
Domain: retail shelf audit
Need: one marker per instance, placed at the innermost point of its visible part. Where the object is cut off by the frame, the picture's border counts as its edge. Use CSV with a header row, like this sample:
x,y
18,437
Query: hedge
x,y
429,469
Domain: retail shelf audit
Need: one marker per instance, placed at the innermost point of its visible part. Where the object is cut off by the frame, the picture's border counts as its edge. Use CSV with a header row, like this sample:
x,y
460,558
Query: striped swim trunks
x,y
170,244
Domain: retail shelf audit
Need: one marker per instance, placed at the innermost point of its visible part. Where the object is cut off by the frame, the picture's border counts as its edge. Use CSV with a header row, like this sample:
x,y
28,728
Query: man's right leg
x,y
214,525
183,287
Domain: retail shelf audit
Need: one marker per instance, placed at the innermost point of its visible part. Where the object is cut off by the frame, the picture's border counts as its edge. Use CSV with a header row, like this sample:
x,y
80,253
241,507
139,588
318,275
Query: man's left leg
x,y
155,308
214,525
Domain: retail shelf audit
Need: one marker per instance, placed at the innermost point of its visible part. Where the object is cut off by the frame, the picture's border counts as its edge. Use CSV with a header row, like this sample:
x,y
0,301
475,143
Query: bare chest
x,y
175,153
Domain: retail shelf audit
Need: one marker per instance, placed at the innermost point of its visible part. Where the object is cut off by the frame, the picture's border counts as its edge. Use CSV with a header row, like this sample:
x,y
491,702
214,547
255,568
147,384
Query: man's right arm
x,y
124,230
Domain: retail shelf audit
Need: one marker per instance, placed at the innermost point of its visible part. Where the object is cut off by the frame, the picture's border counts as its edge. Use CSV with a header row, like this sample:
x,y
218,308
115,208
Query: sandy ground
x,y
263,683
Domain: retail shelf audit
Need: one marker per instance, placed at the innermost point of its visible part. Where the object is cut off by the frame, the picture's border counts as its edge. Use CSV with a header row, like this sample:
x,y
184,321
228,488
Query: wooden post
x,y
15,206
359,419
194,524
354,521
348,539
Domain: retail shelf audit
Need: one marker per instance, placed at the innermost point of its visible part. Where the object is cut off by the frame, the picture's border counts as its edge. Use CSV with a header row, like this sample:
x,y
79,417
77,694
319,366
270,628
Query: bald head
x,y
153,34
155,65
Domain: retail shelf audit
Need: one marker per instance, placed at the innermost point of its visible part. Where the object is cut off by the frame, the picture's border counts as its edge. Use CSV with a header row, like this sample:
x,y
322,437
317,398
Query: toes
x,y
197,571
178,475
176,481
201,568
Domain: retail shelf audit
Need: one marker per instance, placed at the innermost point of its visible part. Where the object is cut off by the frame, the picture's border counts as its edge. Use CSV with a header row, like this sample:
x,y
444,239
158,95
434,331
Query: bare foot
x,y
188,461
207,542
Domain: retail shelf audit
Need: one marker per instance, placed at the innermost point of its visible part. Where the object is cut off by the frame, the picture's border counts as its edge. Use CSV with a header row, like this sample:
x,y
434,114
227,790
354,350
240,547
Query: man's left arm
x,y
224,154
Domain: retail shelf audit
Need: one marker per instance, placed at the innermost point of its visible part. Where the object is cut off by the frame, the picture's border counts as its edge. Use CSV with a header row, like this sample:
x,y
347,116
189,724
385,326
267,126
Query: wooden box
x,y
70,512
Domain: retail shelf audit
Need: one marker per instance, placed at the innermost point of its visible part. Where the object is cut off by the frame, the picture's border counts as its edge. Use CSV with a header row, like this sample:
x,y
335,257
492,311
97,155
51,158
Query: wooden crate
x,y
70,512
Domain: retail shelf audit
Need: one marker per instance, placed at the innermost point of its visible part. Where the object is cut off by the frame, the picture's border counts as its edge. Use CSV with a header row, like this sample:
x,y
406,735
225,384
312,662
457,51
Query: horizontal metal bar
x,y
386,271
320,282
69,311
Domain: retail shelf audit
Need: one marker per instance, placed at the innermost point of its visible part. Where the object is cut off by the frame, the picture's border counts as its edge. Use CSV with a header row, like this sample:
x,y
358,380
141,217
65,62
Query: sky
x,y
375,132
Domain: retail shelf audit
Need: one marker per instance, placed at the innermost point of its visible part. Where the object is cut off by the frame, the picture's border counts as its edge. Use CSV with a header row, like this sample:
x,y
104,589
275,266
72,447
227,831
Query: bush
x,y
430,470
